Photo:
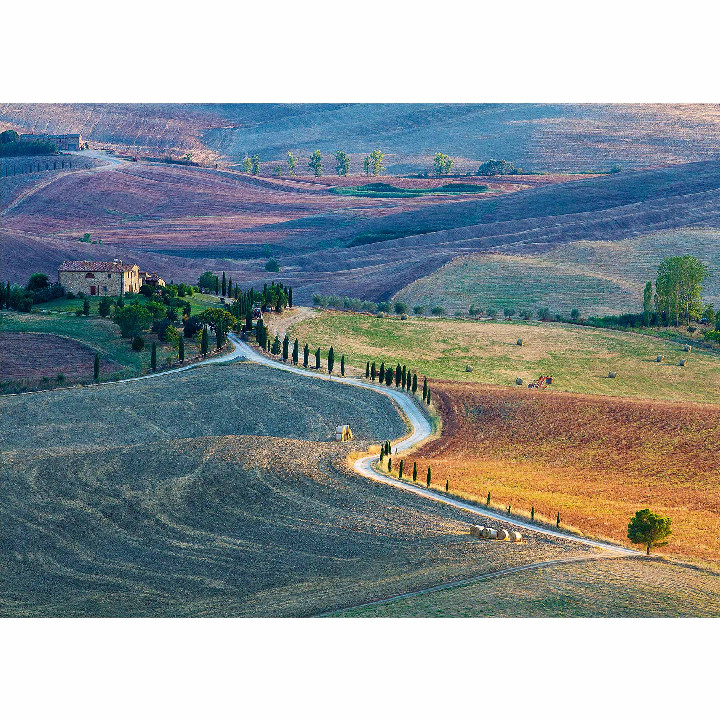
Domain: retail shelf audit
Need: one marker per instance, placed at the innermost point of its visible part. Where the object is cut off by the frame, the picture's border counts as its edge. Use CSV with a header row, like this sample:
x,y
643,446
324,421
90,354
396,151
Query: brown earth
x,y
37,355
596,460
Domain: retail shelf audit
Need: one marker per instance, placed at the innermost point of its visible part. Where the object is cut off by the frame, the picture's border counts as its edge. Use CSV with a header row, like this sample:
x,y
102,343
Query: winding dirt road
x,y
421,430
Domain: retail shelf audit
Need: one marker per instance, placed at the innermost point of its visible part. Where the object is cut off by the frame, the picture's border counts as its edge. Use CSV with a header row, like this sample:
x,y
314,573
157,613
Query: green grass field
x,y
597,278
385,190
578,358
605,588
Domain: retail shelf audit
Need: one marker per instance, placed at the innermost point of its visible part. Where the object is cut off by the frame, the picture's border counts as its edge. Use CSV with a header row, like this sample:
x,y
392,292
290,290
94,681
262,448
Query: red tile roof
x,y
93,266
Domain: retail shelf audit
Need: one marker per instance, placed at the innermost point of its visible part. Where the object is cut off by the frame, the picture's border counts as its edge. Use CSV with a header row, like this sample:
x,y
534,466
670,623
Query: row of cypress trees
x,y
401,376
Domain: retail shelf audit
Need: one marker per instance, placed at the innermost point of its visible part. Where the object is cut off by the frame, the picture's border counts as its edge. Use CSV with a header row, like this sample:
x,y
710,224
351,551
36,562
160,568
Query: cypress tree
x,y
382,372
398,375
286,347
276,345
181,348
224,285
389,464
429,476
204,341
414,383
317,359
219,336
217,285
425,389
331,360
96,368
153,357
342,365
488,499
447,485
372,372
388,377
296,352
86,307
306,355
367,369
509,509
557,522
414,472
404,377
7,295
230,287
400,469
248,320
382,452
289,296
532,513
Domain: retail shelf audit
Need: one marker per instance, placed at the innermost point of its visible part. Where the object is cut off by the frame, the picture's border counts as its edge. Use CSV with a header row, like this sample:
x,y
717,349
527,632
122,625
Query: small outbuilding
x,y
343,433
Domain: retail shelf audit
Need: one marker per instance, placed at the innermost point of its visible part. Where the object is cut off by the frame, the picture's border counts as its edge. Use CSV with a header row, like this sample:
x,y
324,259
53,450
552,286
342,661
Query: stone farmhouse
x,y
100,278
61,142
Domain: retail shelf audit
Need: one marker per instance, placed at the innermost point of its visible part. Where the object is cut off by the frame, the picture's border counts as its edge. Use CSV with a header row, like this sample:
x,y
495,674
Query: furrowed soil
x,y
195,495
595,460
604,588
579,358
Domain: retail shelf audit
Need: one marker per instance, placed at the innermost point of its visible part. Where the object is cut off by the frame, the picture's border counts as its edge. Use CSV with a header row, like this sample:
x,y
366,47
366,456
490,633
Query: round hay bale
x,y
476,531
489,533
659,358
520,342
611,374
503,535
403,316
468,368
515,536
518,381
687,348
683,363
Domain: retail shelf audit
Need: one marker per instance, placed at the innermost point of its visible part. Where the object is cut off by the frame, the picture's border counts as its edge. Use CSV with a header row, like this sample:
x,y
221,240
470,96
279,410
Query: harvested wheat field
x,y
195,496
603,588
596,460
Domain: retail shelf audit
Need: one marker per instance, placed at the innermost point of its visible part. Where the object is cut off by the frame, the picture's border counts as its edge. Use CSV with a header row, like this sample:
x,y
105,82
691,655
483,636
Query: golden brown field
x,y
596,460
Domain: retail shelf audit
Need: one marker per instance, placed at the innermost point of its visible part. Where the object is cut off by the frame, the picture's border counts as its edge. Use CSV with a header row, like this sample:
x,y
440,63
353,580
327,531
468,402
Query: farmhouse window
x,y
90,275
109,276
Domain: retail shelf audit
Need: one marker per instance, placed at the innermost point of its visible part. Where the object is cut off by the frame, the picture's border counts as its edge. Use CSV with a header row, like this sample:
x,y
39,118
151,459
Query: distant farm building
x,y
152,279
99,278
61,142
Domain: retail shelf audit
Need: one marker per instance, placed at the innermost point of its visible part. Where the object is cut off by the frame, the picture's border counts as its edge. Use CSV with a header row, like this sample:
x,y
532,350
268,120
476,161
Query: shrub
x,y
400,307
544,314
104,307
138,343
437,310
508,312
272,266
383,307
419,310
132,319
574,314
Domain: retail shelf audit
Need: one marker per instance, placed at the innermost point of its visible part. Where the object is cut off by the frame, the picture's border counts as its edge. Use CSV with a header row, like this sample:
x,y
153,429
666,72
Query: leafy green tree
x,y
306,355
331,360
38,281
255,164
366,165
96,368
647,303
217,316
181,348
104,307
295,352
272,266
315,163
286,348
442,164
678,287
153,357
342,163
497,167
574,314
132,319
376,158
207,281
204,341
291,162
649,529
